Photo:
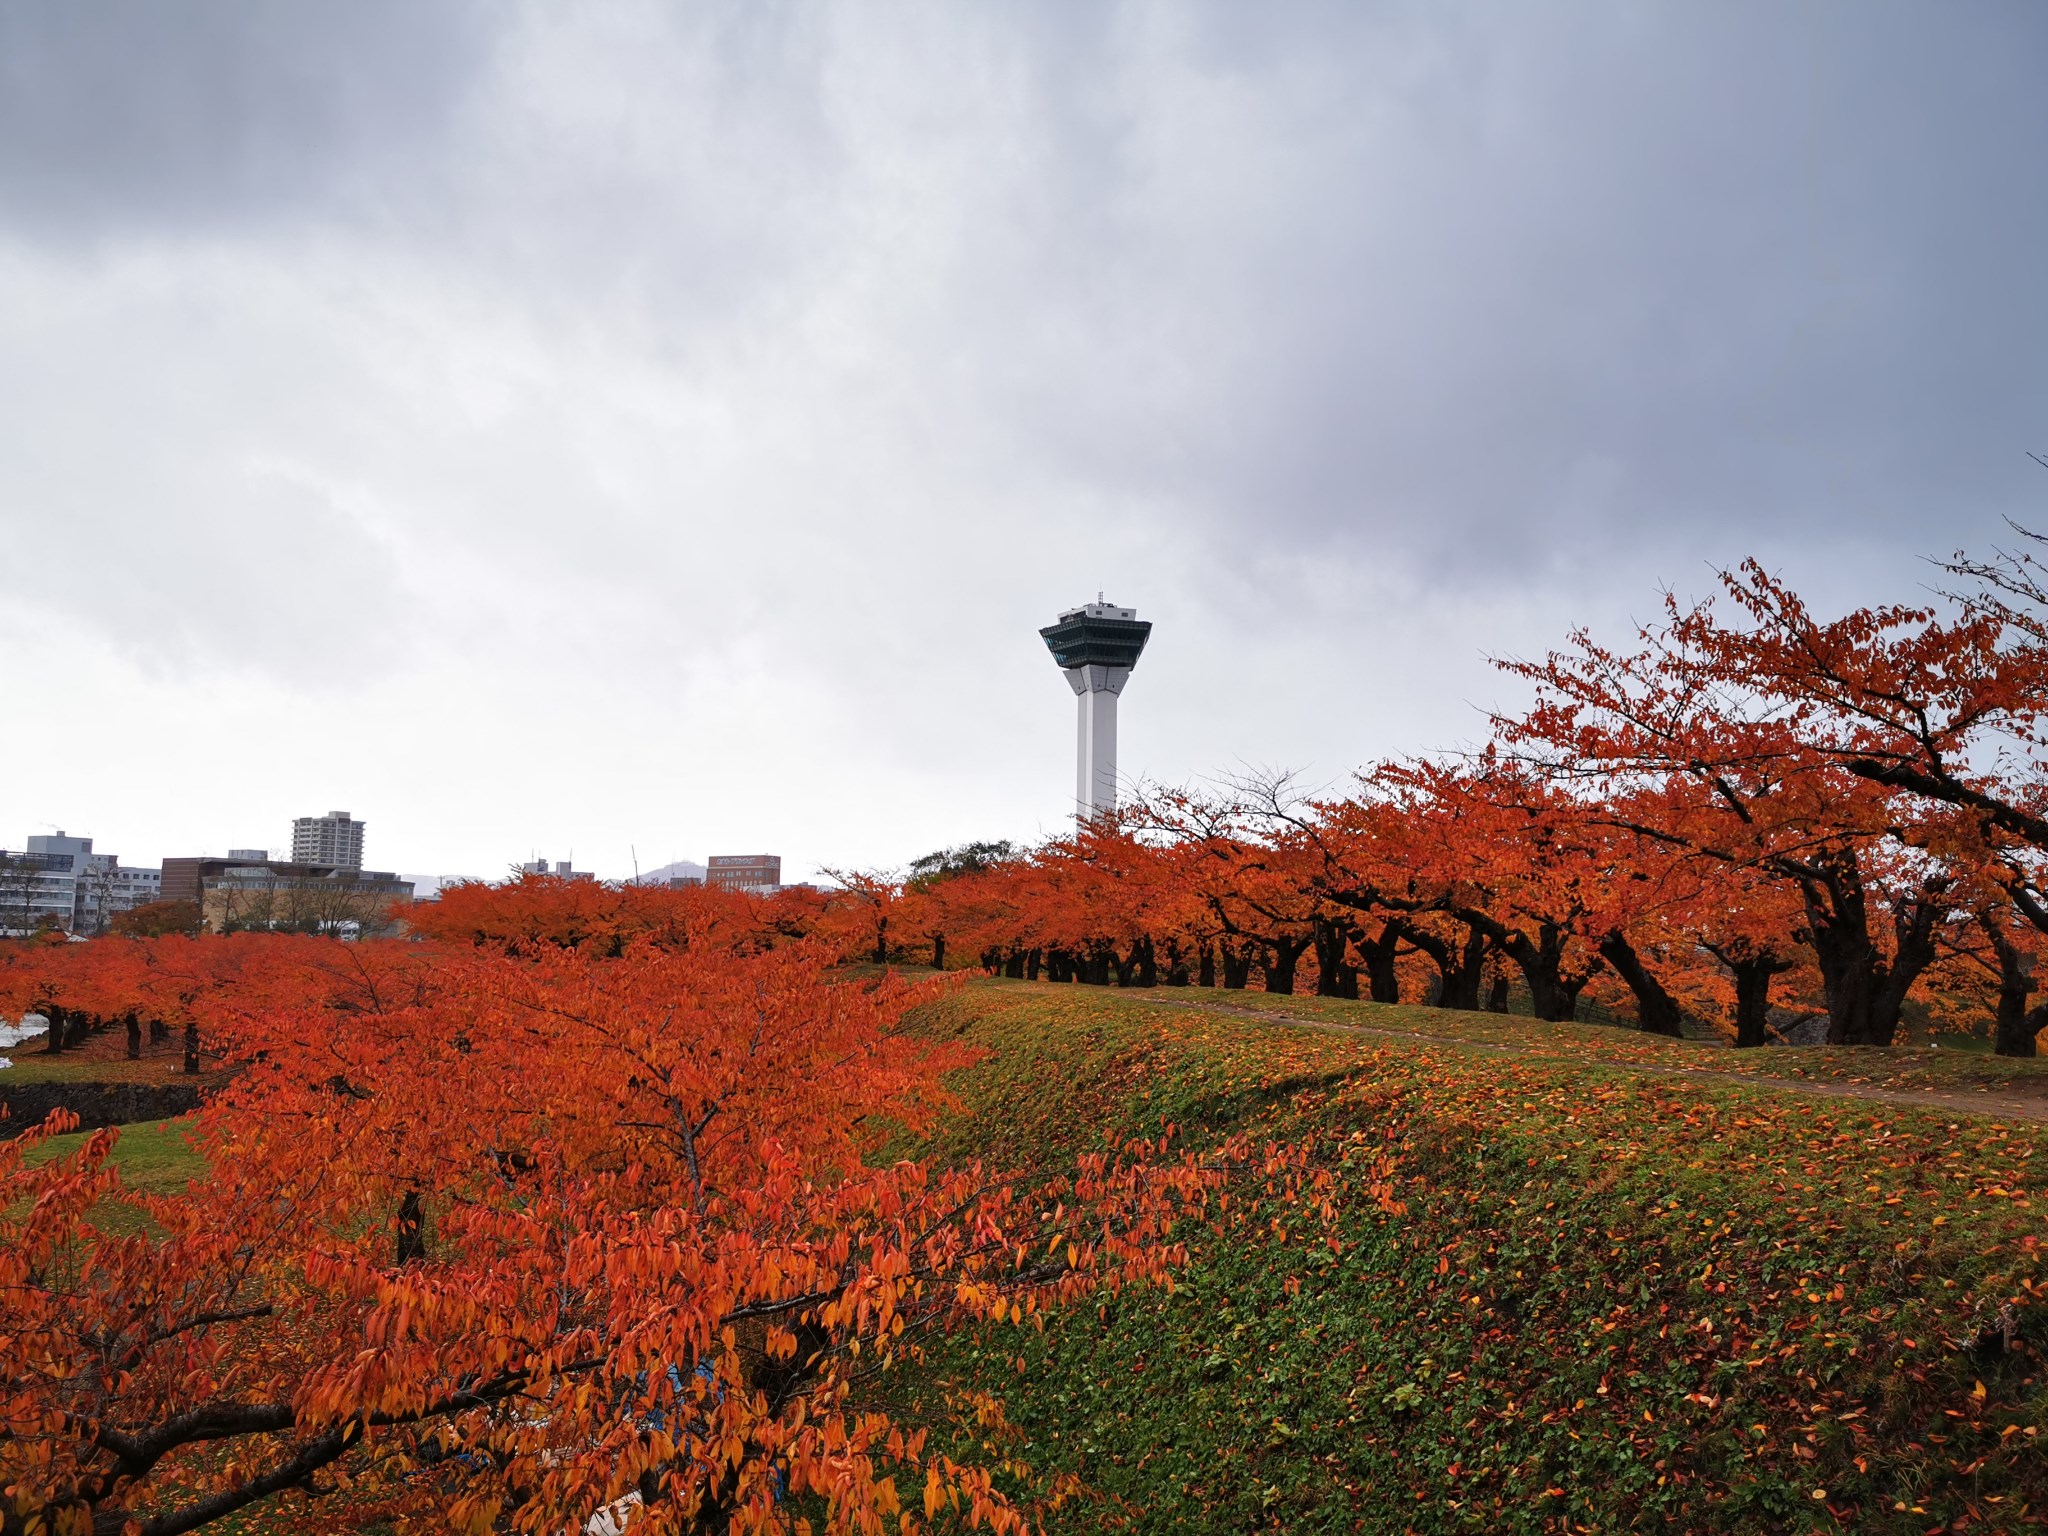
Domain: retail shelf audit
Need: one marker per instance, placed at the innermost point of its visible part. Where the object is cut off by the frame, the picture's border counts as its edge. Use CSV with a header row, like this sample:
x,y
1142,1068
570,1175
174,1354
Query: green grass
x,y
153,1158
1612,1299
36,1066
1954,1065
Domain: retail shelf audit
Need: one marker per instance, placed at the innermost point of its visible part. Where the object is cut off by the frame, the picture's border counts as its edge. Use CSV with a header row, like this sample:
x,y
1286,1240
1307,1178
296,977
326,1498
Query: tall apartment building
x,y
59,880
334,840
745,871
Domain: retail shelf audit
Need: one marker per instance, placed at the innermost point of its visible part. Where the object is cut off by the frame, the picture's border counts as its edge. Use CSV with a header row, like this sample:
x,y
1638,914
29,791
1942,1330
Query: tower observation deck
x,y
1096,645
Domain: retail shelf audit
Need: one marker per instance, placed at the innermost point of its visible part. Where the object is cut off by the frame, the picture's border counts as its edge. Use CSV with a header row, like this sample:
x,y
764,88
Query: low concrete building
x,y
236,892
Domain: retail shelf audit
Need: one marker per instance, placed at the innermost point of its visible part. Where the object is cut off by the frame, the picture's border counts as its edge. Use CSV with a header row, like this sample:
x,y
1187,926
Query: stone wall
x,y
95,1104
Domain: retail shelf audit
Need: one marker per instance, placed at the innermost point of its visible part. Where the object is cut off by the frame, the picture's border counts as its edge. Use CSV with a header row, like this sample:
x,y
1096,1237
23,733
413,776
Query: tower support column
x,y
1095,693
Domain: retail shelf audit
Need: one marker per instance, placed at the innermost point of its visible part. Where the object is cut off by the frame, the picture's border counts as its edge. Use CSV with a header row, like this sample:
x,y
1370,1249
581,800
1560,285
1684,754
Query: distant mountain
x,y
682,869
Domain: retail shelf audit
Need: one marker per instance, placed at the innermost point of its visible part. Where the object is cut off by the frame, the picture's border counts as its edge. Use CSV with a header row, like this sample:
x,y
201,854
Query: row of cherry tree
x,y
574,1199
1745,808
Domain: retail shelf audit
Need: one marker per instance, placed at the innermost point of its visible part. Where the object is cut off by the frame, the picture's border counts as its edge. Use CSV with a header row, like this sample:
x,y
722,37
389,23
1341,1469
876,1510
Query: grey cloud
x,y
128,115
1472,292
659,360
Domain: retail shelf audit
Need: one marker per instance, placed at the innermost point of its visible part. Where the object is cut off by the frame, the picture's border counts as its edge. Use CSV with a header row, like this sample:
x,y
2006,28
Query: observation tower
x,y
1096,645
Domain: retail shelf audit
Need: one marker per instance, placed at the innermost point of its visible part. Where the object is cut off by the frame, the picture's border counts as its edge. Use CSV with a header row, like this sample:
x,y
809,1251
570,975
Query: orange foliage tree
x,y
512,1230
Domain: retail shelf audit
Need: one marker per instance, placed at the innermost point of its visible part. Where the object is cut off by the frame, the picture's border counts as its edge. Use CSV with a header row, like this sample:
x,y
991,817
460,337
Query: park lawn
x,y
1958,1066
1584,1296
36,1066
153,1157
102,1057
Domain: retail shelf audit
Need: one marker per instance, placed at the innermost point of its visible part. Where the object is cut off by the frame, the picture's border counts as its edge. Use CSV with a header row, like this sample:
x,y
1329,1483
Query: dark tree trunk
x,y
938,951
882,941
1059,965
1864,995
1033,963
134,1036
191,1048
1753,973
2017,1023
1335,975
1126,966
1382,979
159,1031
1752,1003
1498,986
1913,951
1461,984
1013,965
1848,979
1553,995
412,1228
1205,966
2036,1021
1460,967
1176,964
1657,1011
54,1041
1237,969
1282,958
1148,964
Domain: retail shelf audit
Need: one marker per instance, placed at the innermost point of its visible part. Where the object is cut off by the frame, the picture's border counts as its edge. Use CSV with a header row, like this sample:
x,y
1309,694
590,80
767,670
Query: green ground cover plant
x,y
153,1155
35,1066
1562,1292
154,1158
1956,1064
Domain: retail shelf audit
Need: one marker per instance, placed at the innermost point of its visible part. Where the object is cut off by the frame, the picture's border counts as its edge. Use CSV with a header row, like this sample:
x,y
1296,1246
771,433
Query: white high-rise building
x,y
1096,645
333,839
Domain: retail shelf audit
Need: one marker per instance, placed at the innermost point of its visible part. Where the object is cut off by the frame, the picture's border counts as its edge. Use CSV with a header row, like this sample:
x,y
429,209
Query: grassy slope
x,y
1617,1299
154,1159
153,1156
1960,1066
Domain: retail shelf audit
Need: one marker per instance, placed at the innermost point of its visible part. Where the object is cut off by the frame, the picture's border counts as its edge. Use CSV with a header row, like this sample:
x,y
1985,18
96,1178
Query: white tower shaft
x,y
1095,690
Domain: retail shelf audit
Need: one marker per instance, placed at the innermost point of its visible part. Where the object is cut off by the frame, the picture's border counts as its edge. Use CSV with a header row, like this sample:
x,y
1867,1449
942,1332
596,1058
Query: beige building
x,y
239,892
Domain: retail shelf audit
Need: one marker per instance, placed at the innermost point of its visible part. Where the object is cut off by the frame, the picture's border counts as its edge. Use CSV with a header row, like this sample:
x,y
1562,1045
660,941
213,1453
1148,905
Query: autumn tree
x,y
509,1238
154,919
930,879
1672,722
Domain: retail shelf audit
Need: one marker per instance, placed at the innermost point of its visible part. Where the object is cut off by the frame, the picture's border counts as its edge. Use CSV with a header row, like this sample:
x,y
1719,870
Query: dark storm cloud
x,y
132,115
1485,286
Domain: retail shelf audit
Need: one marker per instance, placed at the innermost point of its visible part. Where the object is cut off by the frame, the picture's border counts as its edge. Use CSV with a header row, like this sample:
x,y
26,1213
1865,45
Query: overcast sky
x,y
662,428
